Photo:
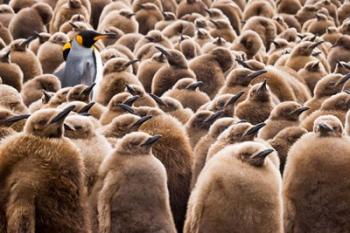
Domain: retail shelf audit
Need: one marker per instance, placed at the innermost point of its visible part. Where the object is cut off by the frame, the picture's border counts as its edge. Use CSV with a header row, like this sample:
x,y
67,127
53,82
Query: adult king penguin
x,y
83,61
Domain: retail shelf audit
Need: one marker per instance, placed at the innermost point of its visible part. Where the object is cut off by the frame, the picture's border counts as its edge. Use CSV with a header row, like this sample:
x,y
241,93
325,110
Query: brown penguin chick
x,y
55,173
109,53
123,20
248,42
149,49
137,5
340,51
342,68
25,59
318,25
329,85
6,14
232,11
123,125
202,37
343,11
201,149
243,172
179,27
10,73
96,9
50,53
225,103
257,106
18,5
153,37
41,38
265,28
92,110
144,99
80,92
345,27
93,147
336,105
147,17
11,99
213,44
114,6
283,115
239,132
332,35
30,19
174,108
284,140
199,124
72,24
58,98
114,109
289,6
211,68
305,13
188,47
121,196
177,160
127,52
290,35
258,8
129,40
324,152
148,68
223,29
65,11
187,91
116,75
190,6
169,17
5,34
177,68
312,73
9,123
33,89
38,104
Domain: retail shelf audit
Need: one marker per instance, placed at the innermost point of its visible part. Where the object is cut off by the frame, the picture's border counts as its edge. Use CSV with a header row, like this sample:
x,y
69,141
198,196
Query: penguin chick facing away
x,y
283,115
315,180
134,195
242,172
11,99
93,146
51,171
10,73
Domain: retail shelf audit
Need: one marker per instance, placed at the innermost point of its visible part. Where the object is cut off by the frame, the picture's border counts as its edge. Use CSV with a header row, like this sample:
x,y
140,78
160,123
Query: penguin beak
x,y
259,158
86,108
59,118
342,80
130,89
255,74
299,111
214,22
151,140
242,63
46,96
340,63
234,99
263,87
102,36
214,117
13,119
142,120
28,40
194,86
159,101
163,51
149,38
347,92
127,108
253,131
315,65
131,62
314,45
131,100
324,128
68,127
88,90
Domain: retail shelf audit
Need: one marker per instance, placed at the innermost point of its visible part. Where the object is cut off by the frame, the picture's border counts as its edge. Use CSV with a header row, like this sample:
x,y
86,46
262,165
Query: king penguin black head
x,y
89,38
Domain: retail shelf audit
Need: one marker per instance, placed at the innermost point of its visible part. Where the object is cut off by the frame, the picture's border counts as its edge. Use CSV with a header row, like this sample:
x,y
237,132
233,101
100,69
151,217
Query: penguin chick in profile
x,y
33,89
11,99
114,109
257,106
312,73
41,38
122,19
54,175
80,92
336,105
58,98
144,99
116,75
147,17
10,73
225,103
189,7
187,91
223,29
340,51
283,141
211,68
134,195
30,19
177,68
25,59
318,159
93,147
250,43
50,53
201,149
246,166
283,115
8,121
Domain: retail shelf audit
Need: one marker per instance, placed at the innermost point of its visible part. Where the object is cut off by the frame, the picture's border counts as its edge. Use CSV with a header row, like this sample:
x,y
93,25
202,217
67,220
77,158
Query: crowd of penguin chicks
x,y
203,107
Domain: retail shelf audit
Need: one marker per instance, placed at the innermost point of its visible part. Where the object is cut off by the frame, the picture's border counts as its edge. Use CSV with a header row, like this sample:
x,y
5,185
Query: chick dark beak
x,y
86,108
59,118
342,80
253,131
127,108
324,127
214,117
159,101
314,45
242,63
299,111
131,62
131,100
263,154
13,119
234,99
194,86
256,74
142,120
88,90
163,51
151,140
263,87
130,89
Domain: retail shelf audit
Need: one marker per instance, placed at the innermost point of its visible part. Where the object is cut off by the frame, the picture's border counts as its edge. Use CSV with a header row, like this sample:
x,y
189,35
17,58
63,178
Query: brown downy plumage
x,y
116,74
58,98
318,26
257,106
9,123
189,47
147,17
50,53
340,51
6,14
250,43
33,89
187,91
225,103
54,175
305,13
259,8
25,59
232,11
222,28
144,99
190,6
201,149
284,115
311,74
17,5
30,19
169,17
153,37
10,73
123,202
332,35
336,105
122,19
211,68
40,39
168,75
11,99
243,165
5,34
80,92
96,9
318,159
288,6
343,11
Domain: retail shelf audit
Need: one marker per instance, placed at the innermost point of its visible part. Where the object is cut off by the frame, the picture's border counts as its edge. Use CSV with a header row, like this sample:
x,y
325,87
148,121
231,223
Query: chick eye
x,y
13,105
42,122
